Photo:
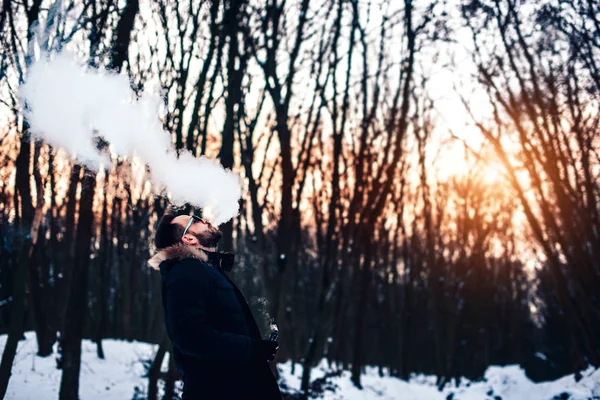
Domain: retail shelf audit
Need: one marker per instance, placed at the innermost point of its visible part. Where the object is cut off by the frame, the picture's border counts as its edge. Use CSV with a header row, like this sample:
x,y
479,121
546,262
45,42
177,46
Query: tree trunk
x,y
192,138
39,275
361,310
65,261
231,28
24,220
77,300
15,329
103,273
122,36
172,376
154,372
40,295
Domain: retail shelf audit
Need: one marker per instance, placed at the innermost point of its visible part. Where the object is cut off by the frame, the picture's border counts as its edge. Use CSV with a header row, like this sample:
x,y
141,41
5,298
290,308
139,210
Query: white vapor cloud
x,y
68,104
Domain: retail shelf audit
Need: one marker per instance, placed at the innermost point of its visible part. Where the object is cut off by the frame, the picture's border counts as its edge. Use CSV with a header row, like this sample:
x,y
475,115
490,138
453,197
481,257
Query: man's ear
x,y
189,240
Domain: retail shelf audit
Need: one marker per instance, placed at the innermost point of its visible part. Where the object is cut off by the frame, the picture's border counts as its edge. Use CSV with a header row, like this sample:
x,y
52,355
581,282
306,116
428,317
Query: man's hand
x,y
264,350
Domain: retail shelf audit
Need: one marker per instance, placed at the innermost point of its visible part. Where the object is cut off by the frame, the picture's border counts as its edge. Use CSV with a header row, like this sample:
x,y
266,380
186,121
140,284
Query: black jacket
x,y
211,328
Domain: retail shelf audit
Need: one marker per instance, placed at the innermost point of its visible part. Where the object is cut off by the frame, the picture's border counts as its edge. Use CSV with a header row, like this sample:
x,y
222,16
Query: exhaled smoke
x,y
71,106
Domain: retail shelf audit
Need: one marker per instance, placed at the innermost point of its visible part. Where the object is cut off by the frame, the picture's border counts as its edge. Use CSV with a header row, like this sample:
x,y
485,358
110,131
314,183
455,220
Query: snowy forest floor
x,y
121,377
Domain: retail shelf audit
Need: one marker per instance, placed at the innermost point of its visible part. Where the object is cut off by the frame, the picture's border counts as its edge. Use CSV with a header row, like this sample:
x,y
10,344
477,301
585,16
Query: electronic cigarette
x,y
274,332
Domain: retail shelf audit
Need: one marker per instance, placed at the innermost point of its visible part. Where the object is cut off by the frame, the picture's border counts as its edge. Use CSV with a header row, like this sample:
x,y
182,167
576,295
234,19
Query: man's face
x,y
200,233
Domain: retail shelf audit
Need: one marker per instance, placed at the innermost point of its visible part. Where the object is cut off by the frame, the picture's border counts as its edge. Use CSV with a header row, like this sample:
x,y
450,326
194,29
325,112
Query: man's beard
x,y
209,238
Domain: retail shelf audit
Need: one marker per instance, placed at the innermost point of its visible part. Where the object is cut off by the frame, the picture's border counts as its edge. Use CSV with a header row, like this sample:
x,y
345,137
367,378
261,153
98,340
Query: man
x,y
217,345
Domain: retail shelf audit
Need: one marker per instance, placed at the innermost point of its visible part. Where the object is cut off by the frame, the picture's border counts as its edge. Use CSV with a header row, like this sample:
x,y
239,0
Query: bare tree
x,y
537,92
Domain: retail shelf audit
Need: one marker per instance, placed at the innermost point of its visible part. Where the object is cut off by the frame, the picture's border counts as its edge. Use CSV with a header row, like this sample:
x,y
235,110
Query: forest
x,y
420,180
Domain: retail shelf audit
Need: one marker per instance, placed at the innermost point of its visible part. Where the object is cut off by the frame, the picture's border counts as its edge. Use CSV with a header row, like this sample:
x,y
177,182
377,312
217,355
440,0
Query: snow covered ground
x,y
120,375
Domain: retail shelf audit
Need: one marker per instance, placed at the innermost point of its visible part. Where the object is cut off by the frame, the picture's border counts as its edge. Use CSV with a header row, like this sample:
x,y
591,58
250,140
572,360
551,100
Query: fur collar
x,y
176,252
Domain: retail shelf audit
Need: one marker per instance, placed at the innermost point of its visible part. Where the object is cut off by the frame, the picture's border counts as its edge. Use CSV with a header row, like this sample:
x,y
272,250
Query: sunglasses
x,y
190,222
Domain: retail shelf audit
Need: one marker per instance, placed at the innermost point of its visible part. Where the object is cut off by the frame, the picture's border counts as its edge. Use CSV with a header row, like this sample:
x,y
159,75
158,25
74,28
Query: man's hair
x,y
167,233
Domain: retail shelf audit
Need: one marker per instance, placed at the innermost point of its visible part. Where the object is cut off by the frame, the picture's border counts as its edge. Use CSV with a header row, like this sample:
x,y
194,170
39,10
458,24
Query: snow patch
x,y
121,375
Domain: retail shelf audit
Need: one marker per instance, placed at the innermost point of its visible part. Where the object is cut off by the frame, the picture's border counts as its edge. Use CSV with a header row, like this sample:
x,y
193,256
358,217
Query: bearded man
x,y
217,345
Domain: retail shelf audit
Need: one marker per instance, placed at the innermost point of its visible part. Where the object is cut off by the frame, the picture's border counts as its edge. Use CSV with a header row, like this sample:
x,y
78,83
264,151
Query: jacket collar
x,y
176,252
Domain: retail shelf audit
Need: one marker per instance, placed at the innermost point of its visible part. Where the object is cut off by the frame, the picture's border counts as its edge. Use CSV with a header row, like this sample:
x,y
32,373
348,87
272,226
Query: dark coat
x,y
211,328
